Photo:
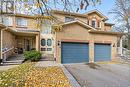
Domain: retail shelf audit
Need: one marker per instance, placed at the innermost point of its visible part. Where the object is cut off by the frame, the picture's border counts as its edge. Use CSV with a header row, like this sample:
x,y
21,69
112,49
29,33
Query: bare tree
x,y
122,12
44,6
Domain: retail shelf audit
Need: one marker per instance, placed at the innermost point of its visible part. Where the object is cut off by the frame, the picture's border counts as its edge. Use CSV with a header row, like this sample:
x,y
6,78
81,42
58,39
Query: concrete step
x,y
5,64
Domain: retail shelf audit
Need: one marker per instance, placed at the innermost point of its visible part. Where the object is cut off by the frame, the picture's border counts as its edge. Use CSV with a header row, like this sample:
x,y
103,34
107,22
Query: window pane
x,y
21,22
43,42
93,24
43,49
49,42
49,49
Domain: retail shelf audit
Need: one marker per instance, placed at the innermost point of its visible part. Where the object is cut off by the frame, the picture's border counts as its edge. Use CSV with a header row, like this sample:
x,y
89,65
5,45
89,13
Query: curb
x,y
71,79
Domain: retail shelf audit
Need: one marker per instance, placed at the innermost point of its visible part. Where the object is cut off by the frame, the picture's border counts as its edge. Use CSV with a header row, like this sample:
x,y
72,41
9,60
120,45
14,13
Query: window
x,y
49,49
21,22
8,21
43,42
68,19
93,23
43,49
46,27
99,24
49,42
88,22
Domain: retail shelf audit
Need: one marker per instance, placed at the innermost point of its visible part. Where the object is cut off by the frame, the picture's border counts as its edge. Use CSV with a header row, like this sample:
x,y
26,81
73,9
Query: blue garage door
x,y
102,52
74,53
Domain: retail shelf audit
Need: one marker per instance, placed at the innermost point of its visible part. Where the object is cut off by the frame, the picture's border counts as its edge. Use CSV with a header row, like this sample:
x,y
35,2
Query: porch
x,y
15,42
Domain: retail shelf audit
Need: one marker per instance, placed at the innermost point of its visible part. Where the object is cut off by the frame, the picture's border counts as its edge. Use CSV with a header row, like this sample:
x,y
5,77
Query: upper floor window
x,y
99,24
21,22
68,19
8,21
46,27
94,23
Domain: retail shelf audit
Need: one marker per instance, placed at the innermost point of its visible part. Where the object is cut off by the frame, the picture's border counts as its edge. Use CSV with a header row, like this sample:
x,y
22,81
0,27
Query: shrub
x,y
32,55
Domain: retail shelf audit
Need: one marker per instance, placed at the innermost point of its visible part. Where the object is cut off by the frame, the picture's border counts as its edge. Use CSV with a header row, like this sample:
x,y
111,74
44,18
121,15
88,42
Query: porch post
x,y
121,47
1,44
37,42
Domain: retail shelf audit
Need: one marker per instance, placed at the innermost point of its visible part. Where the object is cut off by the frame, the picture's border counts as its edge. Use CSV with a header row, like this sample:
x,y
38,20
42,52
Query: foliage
x,y
32,55
44,6
27,75
15,77
122,13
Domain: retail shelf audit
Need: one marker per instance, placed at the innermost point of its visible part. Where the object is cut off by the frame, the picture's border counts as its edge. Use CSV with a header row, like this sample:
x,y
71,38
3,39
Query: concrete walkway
x,y
4,68
47,64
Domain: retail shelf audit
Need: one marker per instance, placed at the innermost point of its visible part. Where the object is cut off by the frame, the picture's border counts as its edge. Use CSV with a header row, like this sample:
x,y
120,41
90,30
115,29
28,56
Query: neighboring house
x,y
82,37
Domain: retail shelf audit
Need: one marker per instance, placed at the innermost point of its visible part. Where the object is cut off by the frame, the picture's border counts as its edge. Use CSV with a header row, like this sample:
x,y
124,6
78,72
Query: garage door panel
x,y
102,52
74,52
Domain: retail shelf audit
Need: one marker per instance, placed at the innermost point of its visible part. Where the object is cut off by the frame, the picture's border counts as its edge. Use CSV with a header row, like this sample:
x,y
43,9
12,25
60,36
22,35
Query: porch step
x,y
47,58
16,62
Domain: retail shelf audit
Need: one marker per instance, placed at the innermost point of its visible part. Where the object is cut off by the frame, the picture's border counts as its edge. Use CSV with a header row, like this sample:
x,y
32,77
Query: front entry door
x,y
27,45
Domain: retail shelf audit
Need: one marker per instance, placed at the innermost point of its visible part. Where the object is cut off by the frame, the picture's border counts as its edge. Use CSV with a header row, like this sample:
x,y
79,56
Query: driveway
x,y
101,75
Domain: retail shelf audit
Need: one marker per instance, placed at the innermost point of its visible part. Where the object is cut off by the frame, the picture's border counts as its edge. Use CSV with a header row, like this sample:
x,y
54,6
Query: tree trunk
x,y
129,41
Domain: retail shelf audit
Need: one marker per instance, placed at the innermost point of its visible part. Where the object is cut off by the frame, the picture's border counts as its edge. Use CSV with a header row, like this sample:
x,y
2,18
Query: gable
x,y
96,12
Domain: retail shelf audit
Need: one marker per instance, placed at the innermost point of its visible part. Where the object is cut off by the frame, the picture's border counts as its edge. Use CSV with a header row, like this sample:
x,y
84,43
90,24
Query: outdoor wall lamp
x,y
59,43
114,45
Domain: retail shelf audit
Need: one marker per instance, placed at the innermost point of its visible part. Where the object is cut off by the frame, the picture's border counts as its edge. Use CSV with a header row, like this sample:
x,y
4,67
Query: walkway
x,y
47,64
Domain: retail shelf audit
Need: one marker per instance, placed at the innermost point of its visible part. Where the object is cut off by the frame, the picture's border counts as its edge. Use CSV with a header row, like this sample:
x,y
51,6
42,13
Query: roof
x,y
29,16
98,12
78,22
109,24
2,26
68,13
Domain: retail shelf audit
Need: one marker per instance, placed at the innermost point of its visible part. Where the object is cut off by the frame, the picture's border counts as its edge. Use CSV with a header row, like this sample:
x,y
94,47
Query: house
x,y
80,38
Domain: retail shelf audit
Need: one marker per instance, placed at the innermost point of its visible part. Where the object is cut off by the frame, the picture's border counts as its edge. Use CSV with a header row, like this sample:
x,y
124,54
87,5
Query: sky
x,y
105,7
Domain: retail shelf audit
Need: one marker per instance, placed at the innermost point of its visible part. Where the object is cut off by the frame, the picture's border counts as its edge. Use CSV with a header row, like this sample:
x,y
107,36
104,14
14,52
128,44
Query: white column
x,y
121,47
1,44
37,42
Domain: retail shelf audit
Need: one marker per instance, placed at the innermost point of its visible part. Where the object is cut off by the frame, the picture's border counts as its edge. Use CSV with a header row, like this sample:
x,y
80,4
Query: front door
x,y
27,45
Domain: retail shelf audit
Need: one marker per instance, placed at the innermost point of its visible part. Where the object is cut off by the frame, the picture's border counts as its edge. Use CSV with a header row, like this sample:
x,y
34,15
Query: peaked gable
x,y
98,13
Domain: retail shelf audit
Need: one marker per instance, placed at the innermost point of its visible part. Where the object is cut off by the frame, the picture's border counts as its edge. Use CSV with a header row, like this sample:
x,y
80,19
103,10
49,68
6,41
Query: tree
x,y
122,13
44,6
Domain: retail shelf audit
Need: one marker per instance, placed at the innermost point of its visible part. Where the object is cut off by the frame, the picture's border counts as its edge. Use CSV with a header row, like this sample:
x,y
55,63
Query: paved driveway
x,y
101,75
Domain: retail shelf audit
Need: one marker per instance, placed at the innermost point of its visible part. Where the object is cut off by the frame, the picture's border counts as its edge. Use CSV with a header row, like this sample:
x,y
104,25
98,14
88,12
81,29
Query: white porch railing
x,y
6,52
123,52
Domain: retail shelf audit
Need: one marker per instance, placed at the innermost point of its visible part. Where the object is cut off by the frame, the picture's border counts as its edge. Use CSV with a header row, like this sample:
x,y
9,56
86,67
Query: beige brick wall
x,y
8,41
77,33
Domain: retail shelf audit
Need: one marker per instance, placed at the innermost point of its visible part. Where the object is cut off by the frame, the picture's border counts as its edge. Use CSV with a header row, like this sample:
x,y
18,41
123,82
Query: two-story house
x,y
81,37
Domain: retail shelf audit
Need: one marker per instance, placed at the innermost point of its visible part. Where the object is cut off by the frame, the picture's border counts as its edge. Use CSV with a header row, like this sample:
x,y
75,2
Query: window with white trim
x,y
21,22
94,23
8,21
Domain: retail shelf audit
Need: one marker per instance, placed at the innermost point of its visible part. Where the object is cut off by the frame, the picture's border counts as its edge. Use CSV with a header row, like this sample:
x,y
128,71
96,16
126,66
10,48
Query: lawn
x,y
26,75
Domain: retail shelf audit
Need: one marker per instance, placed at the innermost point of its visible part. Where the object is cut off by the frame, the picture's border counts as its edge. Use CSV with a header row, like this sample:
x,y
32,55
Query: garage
x,y
74,52
102,52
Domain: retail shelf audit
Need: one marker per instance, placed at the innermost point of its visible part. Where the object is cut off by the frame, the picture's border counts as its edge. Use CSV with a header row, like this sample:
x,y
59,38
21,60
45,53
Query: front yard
x,y
26,75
